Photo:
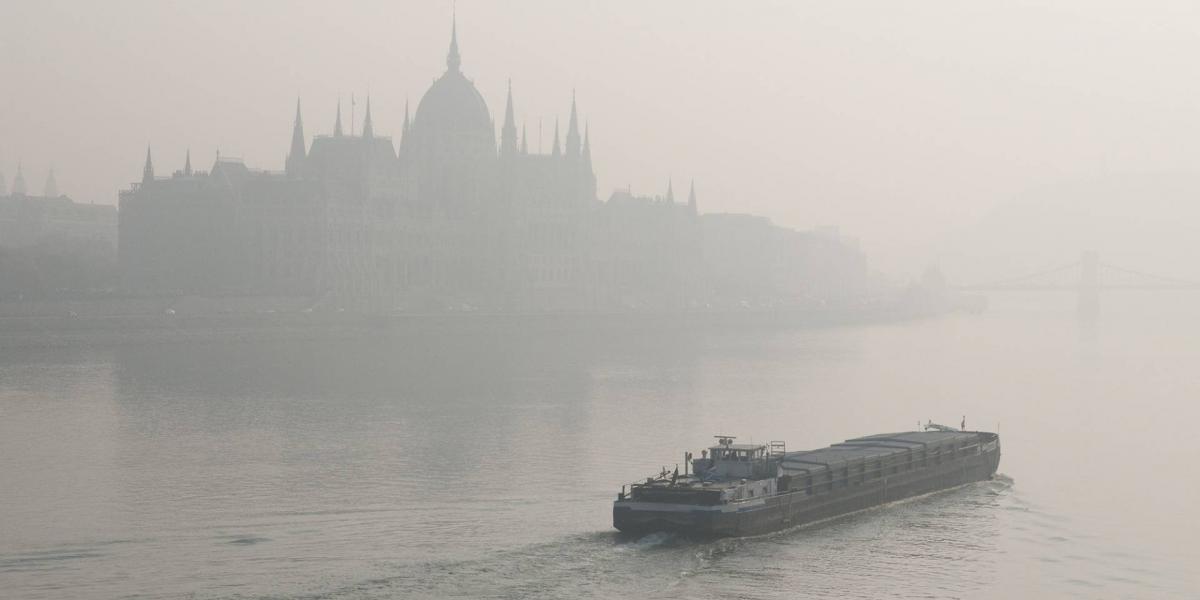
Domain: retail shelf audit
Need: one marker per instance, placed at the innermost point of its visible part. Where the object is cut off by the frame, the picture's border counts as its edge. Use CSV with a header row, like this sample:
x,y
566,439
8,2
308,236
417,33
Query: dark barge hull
x,y
814,502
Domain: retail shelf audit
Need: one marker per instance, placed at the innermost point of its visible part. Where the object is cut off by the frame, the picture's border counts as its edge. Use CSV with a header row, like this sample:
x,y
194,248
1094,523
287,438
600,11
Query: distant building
x,y
450,218
51,218
650,252
749,260
51,245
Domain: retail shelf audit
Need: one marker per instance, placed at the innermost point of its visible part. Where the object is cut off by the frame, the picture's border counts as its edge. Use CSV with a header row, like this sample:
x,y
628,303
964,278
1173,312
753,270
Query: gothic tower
x,y
296,155
368,126
148,169
573,143
508,135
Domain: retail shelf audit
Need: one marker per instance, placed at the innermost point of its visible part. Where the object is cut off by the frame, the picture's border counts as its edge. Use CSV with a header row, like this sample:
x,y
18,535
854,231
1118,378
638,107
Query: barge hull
x,y
800,507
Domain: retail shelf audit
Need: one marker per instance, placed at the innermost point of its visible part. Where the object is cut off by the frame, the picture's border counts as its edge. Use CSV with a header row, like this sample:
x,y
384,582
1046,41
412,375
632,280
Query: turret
x,y
524,140
368,126
587,150
51,189
573,131
148,169
404,141
508,134
297,153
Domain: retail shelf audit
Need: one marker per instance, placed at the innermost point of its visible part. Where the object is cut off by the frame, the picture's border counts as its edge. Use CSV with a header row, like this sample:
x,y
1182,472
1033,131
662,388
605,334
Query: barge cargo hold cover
x,y
746,489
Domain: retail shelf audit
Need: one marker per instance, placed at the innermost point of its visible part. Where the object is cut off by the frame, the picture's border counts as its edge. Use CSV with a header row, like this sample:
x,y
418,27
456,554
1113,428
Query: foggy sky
x,y
906,124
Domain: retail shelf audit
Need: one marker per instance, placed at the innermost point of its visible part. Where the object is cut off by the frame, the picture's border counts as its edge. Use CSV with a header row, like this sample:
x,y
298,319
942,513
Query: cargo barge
x,y
737,489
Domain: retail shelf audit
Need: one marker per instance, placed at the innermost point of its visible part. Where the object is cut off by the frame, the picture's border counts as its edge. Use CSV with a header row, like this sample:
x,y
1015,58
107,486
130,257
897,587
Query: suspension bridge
x,y
1088,276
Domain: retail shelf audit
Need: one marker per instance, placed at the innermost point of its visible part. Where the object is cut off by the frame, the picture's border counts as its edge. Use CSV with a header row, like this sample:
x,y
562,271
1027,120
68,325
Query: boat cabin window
x,y
736,454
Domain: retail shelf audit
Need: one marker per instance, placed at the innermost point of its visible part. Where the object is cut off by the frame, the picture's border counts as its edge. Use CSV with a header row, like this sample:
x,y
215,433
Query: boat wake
x,y
857,554
578,566
651,540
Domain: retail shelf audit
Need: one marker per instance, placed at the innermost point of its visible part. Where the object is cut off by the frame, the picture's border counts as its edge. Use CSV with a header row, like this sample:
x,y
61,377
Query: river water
x,y
485,465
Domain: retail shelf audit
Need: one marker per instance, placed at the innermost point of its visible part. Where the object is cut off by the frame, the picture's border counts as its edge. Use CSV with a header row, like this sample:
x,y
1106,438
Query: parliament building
x,y
452,218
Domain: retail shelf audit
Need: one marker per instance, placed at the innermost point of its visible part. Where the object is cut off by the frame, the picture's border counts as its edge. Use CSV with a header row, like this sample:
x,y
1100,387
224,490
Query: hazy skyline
x,y
470,370
901,124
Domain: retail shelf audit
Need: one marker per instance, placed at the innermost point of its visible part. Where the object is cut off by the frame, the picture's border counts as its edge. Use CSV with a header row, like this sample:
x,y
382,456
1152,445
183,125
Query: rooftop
x,y
740,446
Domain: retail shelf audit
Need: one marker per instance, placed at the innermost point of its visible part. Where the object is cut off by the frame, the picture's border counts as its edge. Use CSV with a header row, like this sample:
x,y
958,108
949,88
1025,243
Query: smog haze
x,y
599,299
906,125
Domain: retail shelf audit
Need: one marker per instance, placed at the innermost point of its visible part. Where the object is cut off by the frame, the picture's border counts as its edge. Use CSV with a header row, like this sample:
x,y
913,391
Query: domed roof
x,y
453,106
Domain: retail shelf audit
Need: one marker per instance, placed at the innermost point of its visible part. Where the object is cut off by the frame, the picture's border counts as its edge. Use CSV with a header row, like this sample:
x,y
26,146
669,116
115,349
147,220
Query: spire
x,y
453,60
555,151
670,193
406,121
337,125
587,149
148,170
404,132
508,135
51,189
19,182
573,130
297,152
692,198
187,163
368,127
524,140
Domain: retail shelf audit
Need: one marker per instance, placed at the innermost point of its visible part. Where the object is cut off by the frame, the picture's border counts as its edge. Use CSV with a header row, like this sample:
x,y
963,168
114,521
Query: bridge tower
x,y
1089,284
